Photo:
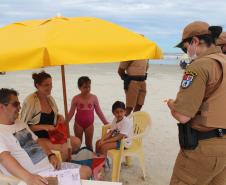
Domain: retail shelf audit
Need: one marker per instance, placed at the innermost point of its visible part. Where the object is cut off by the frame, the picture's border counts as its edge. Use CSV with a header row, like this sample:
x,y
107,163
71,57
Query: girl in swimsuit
x,y
84,104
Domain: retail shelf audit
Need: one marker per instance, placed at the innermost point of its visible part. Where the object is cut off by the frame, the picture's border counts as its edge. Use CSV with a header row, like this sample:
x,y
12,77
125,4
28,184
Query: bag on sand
x,y
58,135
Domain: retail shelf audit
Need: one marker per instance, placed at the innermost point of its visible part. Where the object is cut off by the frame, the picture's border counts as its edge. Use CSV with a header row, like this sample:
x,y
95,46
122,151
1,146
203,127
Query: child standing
x,y
85,103
121,127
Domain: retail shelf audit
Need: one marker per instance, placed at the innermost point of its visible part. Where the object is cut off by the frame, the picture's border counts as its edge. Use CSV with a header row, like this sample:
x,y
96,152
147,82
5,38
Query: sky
x,y
161,21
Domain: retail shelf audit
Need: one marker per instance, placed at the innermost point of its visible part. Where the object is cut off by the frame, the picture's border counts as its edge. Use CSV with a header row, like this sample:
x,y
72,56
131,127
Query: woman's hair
x,y
40,77
118,104
209,39
83,80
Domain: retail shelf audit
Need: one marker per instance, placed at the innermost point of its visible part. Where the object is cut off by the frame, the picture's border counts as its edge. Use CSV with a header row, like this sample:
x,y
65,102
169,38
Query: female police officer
x,y
200,108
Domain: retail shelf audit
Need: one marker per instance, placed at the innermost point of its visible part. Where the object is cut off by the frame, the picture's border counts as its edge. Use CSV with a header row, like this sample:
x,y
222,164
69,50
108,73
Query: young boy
x,y
121,127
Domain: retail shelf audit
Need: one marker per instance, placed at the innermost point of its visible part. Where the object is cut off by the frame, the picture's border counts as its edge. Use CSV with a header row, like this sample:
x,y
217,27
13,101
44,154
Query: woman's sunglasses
x,y
184,49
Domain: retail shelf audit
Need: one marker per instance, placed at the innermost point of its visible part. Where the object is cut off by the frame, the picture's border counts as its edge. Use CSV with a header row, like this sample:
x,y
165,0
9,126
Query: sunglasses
x,y
15,104
184,49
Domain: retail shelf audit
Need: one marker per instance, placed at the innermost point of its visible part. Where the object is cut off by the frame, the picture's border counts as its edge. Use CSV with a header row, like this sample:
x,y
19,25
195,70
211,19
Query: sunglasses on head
x,y
14,104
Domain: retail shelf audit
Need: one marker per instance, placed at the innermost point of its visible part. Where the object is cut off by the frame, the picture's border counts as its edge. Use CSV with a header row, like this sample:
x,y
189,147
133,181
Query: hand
x,y
169,102
55,162
49,127
60,119
102,142
34,179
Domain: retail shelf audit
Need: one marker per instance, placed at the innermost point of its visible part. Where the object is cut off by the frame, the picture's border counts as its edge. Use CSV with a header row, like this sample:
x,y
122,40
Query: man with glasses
x,y
200,109
21,154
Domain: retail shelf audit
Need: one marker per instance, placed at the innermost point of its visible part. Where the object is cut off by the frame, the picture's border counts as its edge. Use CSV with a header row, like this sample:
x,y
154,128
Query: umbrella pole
x,y
66,112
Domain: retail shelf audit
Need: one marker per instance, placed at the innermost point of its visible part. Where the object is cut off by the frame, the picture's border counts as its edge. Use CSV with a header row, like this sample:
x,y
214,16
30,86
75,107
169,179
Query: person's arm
x,y
99,112
178,116
51,156
13,167
107,136
191,93
60,118
121,72
72,109
147,66
41,127
114,139
122,68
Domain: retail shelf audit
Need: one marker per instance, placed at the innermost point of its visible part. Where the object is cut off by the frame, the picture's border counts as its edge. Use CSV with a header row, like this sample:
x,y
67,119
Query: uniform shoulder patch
x,y
188,78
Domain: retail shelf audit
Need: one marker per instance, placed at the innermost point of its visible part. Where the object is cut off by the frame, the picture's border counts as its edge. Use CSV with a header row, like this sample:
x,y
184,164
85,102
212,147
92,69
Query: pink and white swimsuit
x,y
85,110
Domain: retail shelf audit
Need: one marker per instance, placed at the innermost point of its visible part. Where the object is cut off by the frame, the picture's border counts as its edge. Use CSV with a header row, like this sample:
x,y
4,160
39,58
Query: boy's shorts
x,y
118,144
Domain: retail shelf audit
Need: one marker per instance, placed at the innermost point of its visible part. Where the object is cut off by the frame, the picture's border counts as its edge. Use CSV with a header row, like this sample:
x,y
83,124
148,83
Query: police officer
x,y
221,41
200,108
133,73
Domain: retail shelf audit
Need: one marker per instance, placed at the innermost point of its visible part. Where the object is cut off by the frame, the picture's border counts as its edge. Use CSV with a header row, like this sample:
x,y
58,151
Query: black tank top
x,y
45,119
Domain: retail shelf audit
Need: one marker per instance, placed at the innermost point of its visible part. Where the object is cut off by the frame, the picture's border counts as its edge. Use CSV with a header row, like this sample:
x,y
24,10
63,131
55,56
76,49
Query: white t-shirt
x,y
20,141
125,126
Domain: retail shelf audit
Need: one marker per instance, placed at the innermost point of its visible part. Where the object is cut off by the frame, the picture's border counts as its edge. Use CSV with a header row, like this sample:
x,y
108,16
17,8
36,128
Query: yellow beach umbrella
x,y
60,40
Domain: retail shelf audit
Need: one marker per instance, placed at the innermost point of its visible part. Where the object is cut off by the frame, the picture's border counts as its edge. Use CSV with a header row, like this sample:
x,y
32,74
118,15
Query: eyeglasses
x,y
15,104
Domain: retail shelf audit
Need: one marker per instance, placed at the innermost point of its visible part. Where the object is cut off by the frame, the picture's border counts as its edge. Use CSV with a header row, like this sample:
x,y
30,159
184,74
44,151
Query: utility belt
x,y
127,79
189,137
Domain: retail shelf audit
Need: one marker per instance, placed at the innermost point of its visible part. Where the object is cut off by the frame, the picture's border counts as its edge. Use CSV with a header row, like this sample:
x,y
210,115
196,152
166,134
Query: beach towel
x,y
85,156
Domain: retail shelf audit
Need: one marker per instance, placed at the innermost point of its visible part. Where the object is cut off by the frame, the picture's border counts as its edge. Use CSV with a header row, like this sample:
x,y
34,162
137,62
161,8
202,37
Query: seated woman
x,y
40,112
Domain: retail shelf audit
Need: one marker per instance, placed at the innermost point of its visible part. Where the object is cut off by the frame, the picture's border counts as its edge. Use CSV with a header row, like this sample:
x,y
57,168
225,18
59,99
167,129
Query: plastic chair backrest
x,y
141,123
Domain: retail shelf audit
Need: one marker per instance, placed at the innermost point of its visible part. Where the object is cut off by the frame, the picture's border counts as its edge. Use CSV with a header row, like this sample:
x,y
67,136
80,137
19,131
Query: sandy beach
x,y
161,144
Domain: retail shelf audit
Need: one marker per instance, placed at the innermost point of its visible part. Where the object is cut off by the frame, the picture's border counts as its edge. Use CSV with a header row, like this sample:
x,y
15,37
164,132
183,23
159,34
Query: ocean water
x,y
165,61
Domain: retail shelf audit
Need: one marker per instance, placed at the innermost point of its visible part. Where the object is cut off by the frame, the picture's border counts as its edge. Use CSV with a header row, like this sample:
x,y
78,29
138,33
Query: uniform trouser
x,y
206,165
135,95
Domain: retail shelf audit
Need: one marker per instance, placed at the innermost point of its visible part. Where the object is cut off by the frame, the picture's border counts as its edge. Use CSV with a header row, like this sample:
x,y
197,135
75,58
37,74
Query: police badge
x,y
188,78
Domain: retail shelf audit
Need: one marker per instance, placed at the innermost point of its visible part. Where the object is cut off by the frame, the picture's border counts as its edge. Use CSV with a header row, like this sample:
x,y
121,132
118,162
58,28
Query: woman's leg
x,y
89,136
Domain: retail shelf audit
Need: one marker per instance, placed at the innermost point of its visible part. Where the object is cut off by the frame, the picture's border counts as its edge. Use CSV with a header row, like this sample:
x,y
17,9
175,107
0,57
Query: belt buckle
x,y
220,132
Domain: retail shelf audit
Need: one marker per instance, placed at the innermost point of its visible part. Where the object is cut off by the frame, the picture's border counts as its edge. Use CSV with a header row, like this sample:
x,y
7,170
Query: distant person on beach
x,y
134,75
84,105
22,154
200,109
121,127
40,112
221,41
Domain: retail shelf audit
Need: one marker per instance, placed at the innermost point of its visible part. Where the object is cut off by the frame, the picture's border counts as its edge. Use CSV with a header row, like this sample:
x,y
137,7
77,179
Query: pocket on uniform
x,y
216,148
185,179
